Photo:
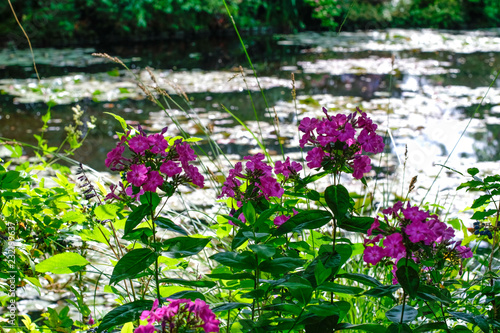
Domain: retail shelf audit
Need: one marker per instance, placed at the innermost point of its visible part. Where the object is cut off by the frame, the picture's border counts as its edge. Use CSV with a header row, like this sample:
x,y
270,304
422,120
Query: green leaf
x,y
482,215
310,179
135,218
124,314
431,293
106,212
460,329
473,171
230,306
281,265
62,263
249,213
263,250
231,276
10,180
238,239
340,289
382,291
482,323
362,327
190,283
180,247
470,184
168,224
150,198
394,314
132,264
463,316
481,200
122,121
361,278
338,199
408,279
292,309
311,219
357,224
431,327
321,274
300,289
188,294
245,260
398,328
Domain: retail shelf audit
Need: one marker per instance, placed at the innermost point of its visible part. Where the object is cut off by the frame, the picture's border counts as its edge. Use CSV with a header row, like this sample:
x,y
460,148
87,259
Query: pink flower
x,y
393,210
270,187
361,165
373,254
196,177
308,125
415,214
170,168
158,144
279,220
315,157
186,153
394,247
114,157
138,144
464,251
375,226
153,181
417,231
145,329
150,315
137,174
130,192
91,320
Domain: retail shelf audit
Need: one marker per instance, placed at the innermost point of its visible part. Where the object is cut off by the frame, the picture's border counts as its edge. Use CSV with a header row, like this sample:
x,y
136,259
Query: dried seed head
x,y
412,184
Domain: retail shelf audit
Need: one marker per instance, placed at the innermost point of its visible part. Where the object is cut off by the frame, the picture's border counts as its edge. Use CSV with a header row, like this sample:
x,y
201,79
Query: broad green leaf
x,y
395,313
249,213
382,291
472,171
483,199
230,306
245,260
482,215
338,200
10,180
300,289
408,279
106,212
361,278
398,328
190,283
150,198
431,293
321,273
124,314
168,224
290,308
357,224
374,328
132,263
340,289
62,263
280,265
239,239
231,276
135,218
431,327
264,251
310,179
180,247
188,294
311,219
482,322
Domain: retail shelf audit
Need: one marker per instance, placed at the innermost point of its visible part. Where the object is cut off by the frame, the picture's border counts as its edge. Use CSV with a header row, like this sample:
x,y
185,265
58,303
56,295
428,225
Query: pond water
x,y
415,83
420,86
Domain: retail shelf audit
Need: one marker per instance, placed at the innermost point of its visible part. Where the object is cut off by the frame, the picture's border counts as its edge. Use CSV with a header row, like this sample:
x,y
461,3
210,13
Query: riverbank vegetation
x,y
88,21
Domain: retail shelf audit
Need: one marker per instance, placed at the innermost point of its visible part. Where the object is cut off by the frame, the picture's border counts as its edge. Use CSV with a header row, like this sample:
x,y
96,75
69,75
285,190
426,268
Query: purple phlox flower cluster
x,y
179,313
280,219
286,168
259,179
339,140
153,162
411,230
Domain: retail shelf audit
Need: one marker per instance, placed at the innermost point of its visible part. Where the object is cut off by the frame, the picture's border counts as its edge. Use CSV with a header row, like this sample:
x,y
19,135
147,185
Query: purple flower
x,y
145,329
415,214
373,254
280,219
186,153
270,187
170,168
308,125
153,181
114,157
417,231
137,174
315,157
138,144
394,246
393,210
195,176
130,192
464,251
361,165
375,226
158,144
